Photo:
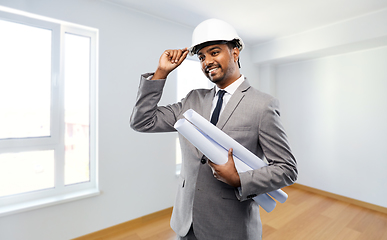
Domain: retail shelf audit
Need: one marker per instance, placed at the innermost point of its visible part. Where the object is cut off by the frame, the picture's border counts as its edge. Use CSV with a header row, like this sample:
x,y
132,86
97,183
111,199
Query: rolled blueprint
x,y
218,155
220,137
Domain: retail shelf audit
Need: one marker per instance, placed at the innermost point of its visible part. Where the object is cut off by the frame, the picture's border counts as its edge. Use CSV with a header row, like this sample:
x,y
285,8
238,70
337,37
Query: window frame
x,y
60,193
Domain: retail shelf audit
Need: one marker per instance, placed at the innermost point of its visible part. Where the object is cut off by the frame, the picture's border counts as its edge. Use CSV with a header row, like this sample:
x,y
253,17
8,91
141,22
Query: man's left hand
x,y
227,172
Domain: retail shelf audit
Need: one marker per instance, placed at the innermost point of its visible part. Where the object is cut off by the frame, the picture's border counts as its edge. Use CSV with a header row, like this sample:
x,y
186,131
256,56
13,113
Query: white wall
x,y
136,171
331,83
335,111
362,32
248,68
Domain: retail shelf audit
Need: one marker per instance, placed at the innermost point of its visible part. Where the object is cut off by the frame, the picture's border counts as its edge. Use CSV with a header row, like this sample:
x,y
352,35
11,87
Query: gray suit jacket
x,y
217,210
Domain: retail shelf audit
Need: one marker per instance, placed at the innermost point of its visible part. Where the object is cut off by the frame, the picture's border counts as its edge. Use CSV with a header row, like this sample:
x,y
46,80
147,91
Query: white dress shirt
x,y
230,89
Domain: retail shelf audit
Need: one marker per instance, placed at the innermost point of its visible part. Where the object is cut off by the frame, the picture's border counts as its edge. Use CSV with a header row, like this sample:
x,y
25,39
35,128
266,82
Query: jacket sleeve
x,y
282,167
147,116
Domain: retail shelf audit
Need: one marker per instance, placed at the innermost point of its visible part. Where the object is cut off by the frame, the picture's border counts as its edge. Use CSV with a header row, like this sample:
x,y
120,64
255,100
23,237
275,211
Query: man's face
x,y
218,64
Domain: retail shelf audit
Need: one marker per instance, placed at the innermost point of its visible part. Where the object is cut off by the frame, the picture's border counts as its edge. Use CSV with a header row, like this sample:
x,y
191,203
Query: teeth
x,y
212,70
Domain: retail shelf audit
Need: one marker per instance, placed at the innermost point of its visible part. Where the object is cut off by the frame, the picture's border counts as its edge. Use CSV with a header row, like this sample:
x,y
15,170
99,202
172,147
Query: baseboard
x,y
341,198
127,225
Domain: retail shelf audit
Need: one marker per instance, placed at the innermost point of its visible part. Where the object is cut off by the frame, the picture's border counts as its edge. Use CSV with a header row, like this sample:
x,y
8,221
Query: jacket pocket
x,y
228,193
240,128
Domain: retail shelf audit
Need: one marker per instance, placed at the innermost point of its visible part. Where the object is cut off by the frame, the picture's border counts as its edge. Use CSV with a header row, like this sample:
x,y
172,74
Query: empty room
x,y
85,155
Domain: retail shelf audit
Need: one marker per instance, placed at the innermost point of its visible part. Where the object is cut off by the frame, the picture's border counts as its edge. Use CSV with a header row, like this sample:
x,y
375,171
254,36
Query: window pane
x,y
26,171
25,81
77,75
190,76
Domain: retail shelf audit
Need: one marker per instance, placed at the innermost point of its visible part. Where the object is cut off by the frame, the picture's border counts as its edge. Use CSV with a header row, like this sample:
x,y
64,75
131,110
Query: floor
x,y
304,215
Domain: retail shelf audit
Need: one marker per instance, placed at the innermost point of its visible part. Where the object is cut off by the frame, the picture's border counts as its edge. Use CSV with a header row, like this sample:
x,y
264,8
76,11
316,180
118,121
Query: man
x,y
214,201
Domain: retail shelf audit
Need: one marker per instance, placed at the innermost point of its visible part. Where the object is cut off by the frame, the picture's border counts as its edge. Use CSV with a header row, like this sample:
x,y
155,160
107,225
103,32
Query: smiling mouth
x,y
211,70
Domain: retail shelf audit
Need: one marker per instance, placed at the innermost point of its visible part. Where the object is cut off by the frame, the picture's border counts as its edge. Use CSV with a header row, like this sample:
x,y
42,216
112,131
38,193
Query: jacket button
x,y
203,160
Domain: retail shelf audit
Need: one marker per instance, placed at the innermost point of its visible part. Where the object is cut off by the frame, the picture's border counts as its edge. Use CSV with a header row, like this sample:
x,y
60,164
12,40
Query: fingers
x,y
211,163
176,56
230,158
227,172
183,56
169,60
230,155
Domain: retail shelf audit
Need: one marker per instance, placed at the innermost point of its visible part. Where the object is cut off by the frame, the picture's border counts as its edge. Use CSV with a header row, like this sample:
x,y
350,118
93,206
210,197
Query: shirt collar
x,y
232,87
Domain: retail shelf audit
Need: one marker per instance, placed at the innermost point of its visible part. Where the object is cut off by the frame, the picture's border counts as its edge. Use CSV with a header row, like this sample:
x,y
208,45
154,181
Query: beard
x,y
217,74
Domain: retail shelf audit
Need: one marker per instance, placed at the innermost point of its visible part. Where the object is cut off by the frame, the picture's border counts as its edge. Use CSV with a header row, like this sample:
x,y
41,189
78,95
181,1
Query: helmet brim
x,y
195,49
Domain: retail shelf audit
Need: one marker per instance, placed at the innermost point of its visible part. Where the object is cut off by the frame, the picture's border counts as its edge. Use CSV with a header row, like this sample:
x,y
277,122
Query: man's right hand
x,y
169,60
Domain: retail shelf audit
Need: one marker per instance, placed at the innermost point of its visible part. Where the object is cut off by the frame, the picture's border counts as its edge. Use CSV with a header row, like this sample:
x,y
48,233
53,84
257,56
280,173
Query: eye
x,y
214,53
201,58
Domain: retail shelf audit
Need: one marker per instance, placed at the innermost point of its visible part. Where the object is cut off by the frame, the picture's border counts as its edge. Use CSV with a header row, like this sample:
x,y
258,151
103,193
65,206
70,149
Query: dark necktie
x,y
215,114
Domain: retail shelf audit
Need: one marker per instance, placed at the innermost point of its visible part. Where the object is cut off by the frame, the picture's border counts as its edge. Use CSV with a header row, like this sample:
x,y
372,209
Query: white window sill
x,y
48,201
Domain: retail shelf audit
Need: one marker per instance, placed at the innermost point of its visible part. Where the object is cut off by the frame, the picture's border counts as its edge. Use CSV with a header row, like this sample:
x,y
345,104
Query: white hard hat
x,y
214,30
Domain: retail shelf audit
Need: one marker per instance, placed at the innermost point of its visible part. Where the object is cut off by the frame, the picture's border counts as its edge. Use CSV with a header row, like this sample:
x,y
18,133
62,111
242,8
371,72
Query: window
x,y
189,76
48,81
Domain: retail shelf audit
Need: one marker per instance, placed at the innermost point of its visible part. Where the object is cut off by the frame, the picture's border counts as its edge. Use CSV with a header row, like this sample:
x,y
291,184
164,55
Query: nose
x,y
208,62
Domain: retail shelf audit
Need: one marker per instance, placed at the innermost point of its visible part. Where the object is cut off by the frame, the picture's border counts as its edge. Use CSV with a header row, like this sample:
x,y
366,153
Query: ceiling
x,y
258,21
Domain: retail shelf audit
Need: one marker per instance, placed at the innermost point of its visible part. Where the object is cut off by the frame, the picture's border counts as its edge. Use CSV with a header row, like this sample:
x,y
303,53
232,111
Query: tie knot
x,y
221,93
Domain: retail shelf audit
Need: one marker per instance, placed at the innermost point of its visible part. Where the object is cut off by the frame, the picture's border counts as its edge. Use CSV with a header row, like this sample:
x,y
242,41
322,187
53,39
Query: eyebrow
x,y
209,50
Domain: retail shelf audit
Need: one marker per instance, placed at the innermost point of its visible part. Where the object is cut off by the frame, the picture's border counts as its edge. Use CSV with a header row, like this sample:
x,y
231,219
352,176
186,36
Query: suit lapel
x,y
207,103
234,101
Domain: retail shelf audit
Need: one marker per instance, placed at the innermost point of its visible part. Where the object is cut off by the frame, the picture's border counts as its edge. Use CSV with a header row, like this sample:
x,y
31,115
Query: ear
x,y
235,54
